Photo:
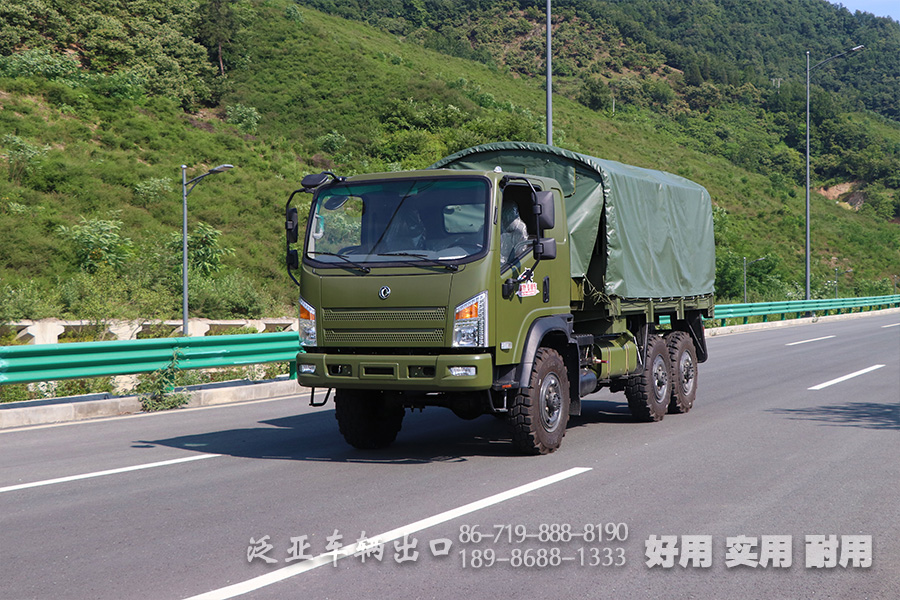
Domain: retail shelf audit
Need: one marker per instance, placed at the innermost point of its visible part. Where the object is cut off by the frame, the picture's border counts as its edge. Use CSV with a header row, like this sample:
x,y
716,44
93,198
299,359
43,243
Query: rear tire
x,y
540,413
366,420
683,357
648,391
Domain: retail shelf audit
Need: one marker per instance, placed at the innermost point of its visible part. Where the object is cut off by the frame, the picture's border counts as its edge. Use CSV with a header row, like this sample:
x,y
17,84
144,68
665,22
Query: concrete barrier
x,y
48,331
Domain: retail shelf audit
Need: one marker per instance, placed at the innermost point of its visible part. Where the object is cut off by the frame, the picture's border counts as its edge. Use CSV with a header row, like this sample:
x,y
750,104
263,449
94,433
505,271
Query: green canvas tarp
x,y
658,226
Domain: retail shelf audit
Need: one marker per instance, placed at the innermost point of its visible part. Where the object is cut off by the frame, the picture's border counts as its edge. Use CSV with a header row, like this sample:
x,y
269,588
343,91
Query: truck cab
x,y
418,289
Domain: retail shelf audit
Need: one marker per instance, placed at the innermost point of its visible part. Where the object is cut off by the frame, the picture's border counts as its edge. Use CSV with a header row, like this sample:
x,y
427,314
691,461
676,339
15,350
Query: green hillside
x,y
720,41
90,200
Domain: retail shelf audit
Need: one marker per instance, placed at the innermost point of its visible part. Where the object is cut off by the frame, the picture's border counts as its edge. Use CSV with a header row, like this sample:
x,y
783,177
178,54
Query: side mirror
x,y
545,249
543,210
292,225
313,180
293,260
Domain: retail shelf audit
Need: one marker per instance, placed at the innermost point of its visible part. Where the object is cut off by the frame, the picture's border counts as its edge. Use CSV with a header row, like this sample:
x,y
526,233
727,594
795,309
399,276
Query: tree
x,y
220,24
692,76
595,94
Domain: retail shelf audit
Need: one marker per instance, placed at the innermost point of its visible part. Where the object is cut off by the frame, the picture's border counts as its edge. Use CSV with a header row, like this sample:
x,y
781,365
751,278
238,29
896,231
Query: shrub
x,y
28,301
23,157
151,190
204,252
38,62
97,243
245,118
293,13
157,390
226,297
106,295
331,142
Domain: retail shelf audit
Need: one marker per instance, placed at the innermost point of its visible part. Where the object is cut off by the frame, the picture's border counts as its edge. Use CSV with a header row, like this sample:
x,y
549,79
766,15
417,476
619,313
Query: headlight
x,y
470,323
307,324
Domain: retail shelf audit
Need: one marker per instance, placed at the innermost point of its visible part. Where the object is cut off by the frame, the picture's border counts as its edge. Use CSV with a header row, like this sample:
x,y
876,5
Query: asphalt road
x,y
761,455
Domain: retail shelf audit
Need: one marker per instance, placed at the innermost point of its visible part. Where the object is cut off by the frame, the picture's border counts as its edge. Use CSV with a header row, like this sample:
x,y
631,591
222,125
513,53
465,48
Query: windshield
x,y
439,221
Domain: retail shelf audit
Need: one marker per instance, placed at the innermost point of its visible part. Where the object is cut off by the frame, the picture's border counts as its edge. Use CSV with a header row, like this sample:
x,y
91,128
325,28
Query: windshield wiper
x,y
353,264
423,258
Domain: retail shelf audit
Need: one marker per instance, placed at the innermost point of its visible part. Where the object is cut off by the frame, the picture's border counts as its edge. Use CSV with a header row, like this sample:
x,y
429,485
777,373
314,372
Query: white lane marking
x,y
845,377
827,337
891,325
164,463
256,583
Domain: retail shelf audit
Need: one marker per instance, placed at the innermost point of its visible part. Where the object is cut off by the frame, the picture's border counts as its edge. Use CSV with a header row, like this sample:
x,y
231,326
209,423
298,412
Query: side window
x,y
516,228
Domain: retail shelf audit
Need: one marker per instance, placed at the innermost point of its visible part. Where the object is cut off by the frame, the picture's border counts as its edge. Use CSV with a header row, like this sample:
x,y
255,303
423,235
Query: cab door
x,y
526,292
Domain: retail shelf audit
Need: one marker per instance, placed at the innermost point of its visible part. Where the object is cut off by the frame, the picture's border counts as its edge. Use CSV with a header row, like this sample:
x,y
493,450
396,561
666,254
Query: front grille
x,y
388,314
420,336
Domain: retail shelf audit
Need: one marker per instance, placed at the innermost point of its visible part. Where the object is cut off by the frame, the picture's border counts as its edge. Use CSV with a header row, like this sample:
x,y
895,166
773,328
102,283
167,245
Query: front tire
x,y
683,357
540,413
648,391
366,420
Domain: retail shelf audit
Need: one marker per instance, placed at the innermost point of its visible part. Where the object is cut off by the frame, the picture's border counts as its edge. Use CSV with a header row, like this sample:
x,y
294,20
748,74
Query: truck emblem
x,y
384,292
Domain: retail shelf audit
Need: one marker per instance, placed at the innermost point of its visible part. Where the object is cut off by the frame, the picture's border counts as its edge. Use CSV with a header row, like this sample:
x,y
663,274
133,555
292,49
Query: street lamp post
x,y
745,274
836,280
549,82
184,236
808,69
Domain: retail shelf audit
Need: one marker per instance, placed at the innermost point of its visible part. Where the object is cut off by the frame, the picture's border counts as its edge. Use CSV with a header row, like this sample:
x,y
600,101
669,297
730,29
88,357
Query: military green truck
x,y
511,279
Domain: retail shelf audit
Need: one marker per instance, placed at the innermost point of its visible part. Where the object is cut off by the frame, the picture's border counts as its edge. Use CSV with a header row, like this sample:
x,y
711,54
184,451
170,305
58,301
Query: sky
x,y
879,8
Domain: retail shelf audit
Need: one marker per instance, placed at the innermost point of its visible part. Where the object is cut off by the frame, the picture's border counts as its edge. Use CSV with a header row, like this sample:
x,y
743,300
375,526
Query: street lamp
x,y
745,274
808,69
836,280
184,236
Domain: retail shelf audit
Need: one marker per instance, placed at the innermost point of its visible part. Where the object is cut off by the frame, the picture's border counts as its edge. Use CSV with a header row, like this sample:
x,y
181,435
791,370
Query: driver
x,y
513,231
406,232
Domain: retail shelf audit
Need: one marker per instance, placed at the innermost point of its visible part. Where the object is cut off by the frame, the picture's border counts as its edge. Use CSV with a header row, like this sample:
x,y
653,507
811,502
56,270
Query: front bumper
x,y
422,373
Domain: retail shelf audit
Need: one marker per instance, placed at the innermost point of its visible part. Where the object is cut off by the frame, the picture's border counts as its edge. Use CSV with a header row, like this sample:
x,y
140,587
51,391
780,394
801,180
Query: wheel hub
x,y
661,379
551,402
686,369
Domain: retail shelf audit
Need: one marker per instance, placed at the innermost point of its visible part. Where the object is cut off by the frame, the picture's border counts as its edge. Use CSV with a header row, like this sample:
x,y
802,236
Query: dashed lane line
x,y
845,377
164,463
818,339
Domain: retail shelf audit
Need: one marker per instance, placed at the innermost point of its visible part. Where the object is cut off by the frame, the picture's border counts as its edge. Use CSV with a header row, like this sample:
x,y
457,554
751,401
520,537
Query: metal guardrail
x,y
801,307
44,362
